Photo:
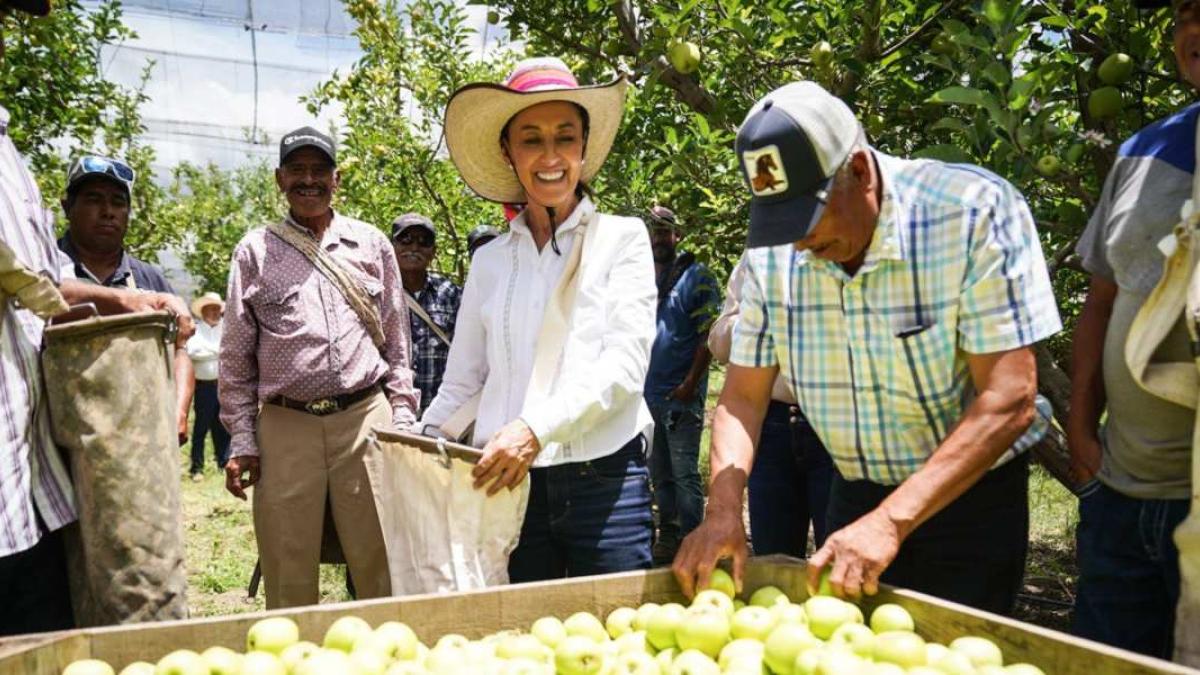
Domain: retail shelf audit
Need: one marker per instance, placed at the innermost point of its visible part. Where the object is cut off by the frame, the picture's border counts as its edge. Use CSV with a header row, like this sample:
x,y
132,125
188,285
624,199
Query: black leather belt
x,y
327,405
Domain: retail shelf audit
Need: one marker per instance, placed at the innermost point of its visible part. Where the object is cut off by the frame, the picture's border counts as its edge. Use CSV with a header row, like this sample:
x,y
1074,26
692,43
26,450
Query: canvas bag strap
x,y
415,307
337,274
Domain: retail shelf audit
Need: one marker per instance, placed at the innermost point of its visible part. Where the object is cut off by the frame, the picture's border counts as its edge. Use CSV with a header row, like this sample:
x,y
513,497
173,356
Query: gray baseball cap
x,y
306,137
408,220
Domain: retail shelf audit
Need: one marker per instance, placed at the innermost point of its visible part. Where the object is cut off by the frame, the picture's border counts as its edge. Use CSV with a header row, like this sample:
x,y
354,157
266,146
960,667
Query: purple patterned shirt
x,y
289,331
33,478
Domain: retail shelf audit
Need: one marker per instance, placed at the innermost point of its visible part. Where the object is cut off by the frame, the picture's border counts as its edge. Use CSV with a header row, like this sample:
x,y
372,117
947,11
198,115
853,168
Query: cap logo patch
x,y
765,168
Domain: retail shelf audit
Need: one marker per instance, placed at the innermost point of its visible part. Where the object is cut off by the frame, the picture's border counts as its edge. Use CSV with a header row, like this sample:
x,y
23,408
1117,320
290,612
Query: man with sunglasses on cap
x,y
677,382
901,300
432,300
1140,459
98,204
36,497
315,351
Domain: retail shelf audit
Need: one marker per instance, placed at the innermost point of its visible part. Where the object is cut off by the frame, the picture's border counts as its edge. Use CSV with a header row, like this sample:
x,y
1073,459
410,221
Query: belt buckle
x,y
321,406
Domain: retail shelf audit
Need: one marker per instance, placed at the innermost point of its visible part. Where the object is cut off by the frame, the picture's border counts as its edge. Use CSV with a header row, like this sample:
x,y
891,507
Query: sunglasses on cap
x,y
422,239
93,164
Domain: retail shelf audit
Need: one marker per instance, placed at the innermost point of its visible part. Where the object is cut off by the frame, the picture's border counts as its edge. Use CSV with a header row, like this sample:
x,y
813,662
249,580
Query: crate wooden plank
x,y
478,613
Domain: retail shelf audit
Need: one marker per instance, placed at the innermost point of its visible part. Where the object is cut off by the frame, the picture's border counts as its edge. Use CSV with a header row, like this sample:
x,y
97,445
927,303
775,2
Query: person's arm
x,y
1003,409
120,301
185,388
237,379
736,426
397,345
1088,396
720,336
705,306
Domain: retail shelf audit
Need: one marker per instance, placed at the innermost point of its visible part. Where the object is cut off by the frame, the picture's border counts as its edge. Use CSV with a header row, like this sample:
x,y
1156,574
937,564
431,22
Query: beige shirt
x,y
720,336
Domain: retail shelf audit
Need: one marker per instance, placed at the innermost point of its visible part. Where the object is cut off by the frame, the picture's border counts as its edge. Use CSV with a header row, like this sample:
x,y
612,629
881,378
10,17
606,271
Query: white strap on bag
x,y
416,308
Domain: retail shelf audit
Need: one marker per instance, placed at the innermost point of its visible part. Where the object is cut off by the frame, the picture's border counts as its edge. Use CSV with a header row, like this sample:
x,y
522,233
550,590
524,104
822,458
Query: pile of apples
x,y
717,633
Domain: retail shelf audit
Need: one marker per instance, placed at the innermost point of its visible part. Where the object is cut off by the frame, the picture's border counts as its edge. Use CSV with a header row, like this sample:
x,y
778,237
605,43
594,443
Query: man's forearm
x,y
735,432
1088,396
185,381
107,300
700,361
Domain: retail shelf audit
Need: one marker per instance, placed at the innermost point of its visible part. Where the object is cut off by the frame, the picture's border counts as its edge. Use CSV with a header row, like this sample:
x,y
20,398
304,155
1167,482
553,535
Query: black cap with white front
x,y
790,147
306,137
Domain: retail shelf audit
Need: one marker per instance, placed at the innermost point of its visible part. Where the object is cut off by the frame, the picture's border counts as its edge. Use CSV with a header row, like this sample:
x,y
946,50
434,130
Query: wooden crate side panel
x,y
34,657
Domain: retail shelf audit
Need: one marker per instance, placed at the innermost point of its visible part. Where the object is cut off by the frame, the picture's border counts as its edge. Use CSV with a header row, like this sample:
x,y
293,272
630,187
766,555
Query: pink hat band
x,y
540,75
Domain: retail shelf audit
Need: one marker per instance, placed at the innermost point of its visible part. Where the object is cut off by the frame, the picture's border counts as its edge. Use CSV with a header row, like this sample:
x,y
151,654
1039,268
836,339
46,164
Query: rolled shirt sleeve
x,y
397,346
237,387
753,345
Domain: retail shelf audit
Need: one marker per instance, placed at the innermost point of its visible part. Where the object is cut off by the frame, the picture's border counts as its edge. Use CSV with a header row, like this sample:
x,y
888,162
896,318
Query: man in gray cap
x,y
900,300
316,334
432,300
479,236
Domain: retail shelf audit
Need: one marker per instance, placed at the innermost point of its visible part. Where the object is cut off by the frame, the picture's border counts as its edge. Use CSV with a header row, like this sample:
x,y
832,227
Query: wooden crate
x,y
479,613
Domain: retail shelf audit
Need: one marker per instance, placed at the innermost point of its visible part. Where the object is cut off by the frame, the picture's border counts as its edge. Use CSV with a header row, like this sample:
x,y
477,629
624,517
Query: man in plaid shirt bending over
x,y
900,300
432,302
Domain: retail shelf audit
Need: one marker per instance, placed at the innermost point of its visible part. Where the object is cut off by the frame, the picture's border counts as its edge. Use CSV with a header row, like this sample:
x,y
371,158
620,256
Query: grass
x,y
221,551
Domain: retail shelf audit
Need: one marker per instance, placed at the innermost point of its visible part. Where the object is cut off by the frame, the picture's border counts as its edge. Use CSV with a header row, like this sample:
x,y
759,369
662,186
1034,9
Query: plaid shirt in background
x,y
878,360
440,299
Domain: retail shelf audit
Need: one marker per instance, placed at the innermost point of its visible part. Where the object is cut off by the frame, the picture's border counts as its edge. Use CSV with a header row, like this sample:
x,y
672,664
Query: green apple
x,y
88,667
451,640
1048,165
579,655
825,613
840,662
272,635
138,668
181,662
944,45
901,647
741,650
694,662
981,651
587,625
406,668
954,663
665,658
325,661
821,54
934,652
524,646
222,660
549,630
786,612
1116,69
824,585
785,643
367,662
265,663
807,662
890,616
620,621
635,663
344,632
295,653
401,641
715,599
705,630
446,659
1105,103
1023,669
854,636
752,622
493,17
738,603
720,580
886,669
633,641
684,56
643,615
661,629
768,596
523,667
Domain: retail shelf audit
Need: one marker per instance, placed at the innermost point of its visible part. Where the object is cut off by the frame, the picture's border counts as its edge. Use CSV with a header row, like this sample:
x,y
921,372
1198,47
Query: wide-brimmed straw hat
x,y
205,300
478,112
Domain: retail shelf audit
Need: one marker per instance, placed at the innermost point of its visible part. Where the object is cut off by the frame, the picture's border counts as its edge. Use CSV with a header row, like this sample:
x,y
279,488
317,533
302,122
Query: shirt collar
x,y
585,207
119,275
339,230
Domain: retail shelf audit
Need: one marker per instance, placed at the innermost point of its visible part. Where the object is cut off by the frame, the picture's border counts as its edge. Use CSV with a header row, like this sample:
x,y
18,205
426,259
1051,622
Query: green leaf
x,y
945,153
959,96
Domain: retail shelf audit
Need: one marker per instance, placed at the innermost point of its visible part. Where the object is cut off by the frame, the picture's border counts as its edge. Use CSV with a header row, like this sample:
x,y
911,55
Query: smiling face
x,y
545,145
414,248
211,314
308,179
847,225
99,215
1187,41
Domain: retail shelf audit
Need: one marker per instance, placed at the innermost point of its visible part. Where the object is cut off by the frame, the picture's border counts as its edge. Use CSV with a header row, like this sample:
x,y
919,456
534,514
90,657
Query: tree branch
x,y
916,33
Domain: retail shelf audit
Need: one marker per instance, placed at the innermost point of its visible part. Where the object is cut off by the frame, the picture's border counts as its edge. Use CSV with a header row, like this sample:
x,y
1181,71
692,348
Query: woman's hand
x,y
507,457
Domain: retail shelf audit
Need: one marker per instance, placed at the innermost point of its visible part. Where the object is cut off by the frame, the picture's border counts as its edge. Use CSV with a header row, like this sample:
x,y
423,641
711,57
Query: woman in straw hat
x,y
204,348
556,324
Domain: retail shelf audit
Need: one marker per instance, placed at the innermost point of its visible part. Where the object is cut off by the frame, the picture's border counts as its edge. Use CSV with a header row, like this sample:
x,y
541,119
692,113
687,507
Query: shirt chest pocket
x,y
924,376
278,309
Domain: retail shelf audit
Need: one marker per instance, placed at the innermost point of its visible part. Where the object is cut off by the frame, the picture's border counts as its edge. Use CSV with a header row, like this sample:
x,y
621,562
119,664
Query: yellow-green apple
x,y
741,651
981,651
826,613
665,658
854,636
901,647
635,663
367,662
549,630
579,655
222,661
522,667
890,616
767,596
295,653
524,646
451,640
752,622
720,580
587,625
181,662
138,668
264,663
786,612
272,635
323,662
785,643
715,599
634,641
643,615
684,56
620,621
88,667
660,631
705,630
343,633
401,641
693,662
954,663
840,662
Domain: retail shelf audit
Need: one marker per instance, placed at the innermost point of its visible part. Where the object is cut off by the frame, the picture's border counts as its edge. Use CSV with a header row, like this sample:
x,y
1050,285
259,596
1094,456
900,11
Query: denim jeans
x,y
971,552
1128,570
207,418
586,518
674,468
789,484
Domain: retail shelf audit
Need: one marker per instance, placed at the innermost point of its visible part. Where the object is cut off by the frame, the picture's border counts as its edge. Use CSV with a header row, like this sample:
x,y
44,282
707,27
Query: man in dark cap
x,y
479,236
432,301
316,334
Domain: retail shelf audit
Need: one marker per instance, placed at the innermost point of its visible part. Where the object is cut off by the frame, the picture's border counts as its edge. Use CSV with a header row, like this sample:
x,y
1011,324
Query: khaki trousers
x,y
305,459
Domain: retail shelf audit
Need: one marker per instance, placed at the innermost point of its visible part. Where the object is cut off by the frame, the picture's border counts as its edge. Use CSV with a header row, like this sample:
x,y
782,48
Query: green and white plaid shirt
x,y
878,360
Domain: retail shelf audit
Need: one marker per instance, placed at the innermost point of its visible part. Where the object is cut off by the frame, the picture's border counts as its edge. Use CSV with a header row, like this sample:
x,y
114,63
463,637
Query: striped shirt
x,y
878,360
33,479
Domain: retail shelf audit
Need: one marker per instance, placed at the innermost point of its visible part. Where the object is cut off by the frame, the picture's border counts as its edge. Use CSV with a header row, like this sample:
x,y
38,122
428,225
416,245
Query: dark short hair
x,y
74,190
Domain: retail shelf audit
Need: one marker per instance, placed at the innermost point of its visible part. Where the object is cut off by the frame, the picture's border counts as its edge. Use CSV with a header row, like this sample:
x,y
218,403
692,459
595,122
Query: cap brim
x,y
424,226
775,223
315,146
478,112
35,7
